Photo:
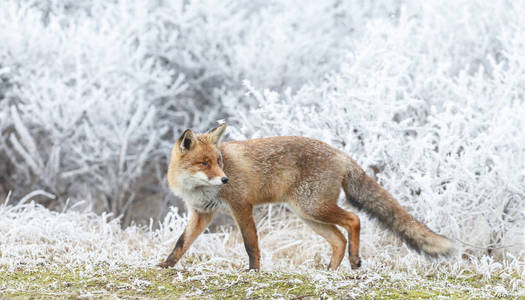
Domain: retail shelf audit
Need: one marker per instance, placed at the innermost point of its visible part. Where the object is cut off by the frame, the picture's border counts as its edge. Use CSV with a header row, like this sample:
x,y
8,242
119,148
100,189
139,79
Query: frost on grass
x,y
42,251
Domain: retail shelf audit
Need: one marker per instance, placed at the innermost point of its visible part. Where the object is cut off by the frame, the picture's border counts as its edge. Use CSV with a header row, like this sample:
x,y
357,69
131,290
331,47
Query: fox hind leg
x,y
334,214
330,213
352,224
334,237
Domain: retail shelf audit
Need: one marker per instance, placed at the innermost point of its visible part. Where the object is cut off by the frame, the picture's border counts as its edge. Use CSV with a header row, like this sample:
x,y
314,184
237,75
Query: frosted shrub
x,y
81,125
95,93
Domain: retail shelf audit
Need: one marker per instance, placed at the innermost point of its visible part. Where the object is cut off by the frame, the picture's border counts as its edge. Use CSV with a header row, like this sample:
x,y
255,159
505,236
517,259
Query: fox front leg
x,y
244,218
197,222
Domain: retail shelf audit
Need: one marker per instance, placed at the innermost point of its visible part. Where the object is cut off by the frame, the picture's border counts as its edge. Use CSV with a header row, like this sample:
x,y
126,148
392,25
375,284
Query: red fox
x,y
305,173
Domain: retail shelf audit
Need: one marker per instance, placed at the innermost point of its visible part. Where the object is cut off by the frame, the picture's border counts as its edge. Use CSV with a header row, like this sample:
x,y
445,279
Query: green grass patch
x,y
130,282
133,282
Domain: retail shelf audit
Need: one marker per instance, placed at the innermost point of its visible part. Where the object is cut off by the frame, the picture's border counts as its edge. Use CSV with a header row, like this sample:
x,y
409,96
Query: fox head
x,y
196,160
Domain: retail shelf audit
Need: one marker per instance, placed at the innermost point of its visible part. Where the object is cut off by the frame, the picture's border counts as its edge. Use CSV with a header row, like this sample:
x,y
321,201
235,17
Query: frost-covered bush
x,y
83,106
4,123
94,93
433,112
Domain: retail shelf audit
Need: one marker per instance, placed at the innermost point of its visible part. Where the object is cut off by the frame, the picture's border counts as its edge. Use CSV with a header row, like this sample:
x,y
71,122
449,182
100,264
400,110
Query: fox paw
x,y
252,270
355,262
165,264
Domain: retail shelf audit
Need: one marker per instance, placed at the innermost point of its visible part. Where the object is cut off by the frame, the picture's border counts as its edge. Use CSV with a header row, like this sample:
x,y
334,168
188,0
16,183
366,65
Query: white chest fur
x,y
203,199
199,196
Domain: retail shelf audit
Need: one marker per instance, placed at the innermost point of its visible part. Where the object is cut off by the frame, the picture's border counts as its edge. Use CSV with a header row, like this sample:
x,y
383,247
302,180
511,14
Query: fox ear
x,y
217,133
186,141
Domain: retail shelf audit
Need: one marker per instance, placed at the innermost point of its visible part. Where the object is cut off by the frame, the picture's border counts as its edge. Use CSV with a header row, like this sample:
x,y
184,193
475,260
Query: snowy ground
x,y
82,254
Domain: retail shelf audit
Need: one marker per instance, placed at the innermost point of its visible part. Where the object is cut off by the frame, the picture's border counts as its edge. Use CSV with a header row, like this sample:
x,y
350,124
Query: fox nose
x,y
224,180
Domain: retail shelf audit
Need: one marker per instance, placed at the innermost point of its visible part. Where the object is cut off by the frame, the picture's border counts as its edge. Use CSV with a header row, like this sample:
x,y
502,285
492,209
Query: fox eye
x,y
203,163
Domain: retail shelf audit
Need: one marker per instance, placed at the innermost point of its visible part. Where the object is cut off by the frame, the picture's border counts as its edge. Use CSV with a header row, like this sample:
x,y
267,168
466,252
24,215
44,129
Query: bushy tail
x,y
364,193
